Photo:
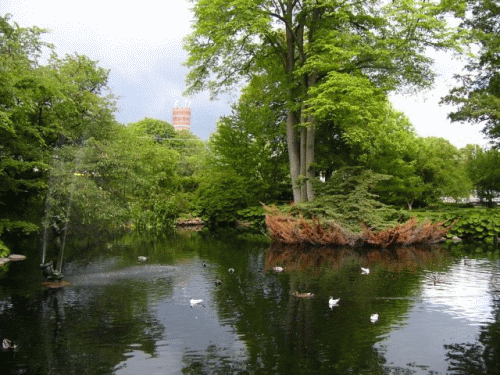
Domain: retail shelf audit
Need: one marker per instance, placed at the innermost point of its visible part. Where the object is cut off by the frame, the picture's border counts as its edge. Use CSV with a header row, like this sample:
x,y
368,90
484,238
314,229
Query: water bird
x,y
365,271
278,269
302,295
193,301
333,302
6,344
142,259
218,281
374,318
204,264
436,280
231,270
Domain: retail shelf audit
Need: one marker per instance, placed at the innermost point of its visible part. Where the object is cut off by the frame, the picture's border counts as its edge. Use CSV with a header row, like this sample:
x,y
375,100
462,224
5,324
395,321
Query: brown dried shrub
x,y
295,231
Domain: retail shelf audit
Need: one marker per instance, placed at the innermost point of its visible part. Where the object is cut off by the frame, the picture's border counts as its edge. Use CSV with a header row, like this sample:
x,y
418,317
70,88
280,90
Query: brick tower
x,y
181,118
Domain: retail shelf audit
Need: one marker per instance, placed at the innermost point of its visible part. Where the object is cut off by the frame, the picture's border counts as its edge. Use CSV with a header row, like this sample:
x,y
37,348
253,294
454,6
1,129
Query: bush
x,y
474,224
346,198
221,195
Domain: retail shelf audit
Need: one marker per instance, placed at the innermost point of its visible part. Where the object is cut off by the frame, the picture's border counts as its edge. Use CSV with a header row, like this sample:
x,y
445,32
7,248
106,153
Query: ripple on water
x,y
464,291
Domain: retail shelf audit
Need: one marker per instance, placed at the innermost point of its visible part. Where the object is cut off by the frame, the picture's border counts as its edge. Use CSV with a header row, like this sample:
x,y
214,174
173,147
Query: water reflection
x,y
465,291
445,328
315,257
121,317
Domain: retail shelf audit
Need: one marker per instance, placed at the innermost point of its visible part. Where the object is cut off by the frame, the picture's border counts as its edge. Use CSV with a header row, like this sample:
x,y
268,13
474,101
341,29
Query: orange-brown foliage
x,y
297,231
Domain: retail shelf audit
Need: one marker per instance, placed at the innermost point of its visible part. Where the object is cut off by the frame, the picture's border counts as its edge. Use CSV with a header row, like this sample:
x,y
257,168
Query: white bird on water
x,y
193,301
333,302
374,318
365,271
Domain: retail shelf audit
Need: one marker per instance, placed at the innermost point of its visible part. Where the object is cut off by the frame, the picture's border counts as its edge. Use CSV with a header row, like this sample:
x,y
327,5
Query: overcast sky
x,y
142,46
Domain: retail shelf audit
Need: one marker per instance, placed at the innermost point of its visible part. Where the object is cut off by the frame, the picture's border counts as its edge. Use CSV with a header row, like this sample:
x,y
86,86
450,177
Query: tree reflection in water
x,y
481,358
315,257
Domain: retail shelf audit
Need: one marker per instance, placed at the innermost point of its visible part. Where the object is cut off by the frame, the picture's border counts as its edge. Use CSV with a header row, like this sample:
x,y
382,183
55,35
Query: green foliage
x,y
138,173
221,195
255,215
474,224
442,169
324,60
23,149
251,141
4,250
477,96
478,226
42,108
157,129
156,214
483,168
192,157
127,179
423,170
347,199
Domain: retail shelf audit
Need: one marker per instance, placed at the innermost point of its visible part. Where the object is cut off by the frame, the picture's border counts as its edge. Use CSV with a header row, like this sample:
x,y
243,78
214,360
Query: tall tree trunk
x,y
310,173
309,142
292,120
303,188
293,153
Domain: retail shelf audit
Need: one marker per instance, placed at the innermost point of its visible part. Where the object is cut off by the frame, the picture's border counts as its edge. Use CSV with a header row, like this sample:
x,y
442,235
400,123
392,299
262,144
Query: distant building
x,y
181,118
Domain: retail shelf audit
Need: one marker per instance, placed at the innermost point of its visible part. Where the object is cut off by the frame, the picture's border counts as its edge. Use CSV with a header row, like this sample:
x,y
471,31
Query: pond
x,y
437,314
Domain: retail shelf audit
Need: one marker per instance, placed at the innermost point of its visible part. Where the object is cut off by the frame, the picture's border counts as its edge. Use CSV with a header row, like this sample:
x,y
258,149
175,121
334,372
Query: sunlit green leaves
x,y
477,98
483,169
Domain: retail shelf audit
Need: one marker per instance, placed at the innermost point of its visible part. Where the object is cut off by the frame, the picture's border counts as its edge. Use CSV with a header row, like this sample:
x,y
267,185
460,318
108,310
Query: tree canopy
x,y
477,97
42,107
315,52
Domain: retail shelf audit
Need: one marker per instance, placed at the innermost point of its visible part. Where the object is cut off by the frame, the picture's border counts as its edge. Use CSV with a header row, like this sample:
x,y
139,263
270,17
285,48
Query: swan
x,y
365,271
142,259
193,301
231,270
333,302
302,295
278,269
374,318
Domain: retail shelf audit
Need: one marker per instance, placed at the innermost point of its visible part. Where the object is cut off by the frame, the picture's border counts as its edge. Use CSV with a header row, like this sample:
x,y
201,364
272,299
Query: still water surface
x,y
437,315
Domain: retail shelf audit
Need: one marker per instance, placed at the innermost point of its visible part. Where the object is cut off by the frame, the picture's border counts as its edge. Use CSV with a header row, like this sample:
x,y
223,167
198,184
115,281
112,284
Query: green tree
x,y
393,151
158,129
251,141
442,169
191,149
478,95
483,168
23,151
192,156
42,108
137,173
221,194
309,48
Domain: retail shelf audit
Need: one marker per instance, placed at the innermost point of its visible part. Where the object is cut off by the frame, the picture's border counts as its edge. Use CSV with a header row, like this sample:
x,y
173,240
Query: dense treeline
x,y
315,104
64,156
323,69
